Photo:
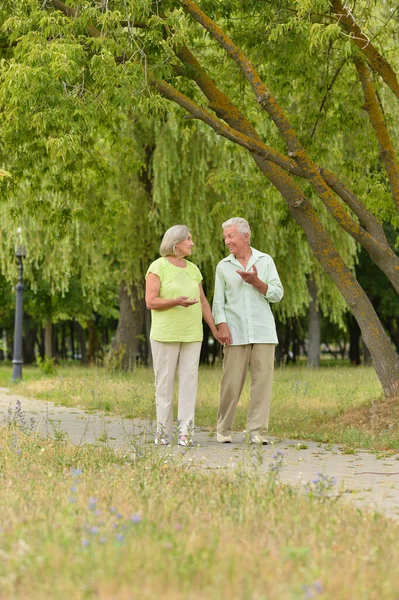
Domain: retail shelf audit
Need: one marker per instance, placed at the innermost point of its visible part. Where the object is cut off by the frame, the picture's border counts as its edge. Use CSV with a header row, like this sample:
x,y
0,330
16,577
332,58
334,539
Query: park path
x,y
368,481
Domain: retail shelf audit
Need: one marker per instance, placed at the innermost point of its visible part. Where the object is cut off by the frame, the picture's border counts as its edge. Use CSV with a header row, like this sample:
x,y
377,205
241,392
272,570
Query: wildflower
x,y
74,489
136,519
94,530
85,543
92,503
119,537
318,586
178,526
76,472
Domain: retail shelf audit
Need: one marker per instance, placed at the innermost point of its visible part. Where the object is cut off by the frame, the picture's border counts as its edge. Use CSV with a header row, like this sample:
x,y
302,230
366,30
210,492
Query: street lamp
x,y
20,253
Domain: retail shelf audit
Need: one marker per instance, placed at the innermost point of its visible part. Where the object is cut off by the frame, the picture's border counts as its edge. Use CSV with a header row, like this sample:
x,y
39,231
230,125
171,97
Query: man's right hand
x,y
224,334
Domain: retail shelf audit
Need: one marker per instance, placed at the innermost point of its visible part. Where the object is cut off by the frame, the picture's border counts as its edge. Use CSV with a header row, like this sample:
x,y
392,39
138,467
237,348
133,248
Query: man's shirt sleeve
x,y
275,290
218,306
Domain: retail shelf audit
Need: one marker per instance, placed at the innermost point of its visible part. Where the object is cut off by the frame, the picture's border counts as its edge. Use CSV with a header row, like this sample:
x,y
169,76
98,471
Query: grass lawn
x,y
331,404
86,522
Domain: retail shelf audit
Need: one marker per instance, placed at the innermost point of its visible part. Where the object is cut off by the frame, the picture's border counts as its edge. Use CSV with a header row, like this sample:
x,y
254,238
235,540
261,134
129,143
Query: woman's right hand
x,y
185,301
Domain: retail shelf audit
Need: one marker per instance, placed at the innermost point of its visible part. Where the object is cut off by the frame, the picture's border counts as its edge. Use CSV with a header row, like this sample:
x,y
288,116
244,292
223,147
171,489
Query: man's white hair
x,y
242,225
172,237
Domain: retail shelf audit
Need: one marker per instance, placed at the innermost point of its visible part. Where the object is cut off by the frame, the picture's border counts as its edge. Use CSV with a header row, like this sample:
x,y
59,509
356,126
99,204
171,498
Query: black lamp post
x,y
20,253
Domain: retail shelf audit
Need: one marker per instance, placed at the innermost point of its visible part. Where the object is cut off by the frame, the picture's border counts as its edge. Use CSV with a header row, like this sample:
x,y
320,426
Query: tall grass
x,y
87,522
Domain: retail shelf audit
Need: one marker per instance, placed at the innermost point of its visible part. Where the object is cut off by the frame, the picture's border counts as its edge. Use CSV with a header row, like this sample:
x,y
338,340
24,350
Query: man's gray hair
x,y
172,237
242,225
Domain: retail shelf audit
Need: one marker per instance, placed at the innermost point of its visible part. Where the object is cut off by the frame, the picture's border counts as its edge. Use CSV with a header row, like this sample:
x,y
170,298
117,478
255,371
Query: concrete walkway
x,y
370,482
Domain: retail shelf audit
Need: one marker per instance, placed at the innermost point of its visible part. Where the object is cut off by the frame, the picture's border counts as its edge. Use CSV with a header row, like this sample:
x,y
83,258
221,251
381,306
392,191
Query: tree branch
x,y
74,12
373,109
295,150
376,61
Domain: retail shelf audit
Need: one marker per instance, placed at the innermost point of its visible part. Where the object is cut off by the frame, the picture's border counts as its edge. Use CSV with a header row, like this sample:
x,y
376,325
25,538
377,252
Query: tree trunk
x,y
72,338
94,343
313,327
123,353
385,360
82,343
64,351
367,358
354,341
48,339
29,340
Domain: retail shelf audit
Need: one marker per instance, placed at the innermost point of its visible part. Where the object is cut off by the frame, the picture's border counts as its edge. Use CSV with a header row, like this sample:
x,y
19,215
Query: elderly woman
x,y
177,301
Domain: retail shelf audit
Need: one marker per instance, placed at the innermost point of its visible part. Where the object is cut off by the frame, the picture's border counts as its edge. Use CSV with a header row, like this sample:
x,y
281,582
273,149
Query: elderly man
x,y
246,282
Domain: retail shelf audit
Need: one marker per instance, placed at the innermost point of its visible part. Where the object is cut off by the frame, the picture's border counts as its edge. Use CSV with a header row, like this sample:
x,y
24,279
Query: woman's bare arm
x,y
207,313
152,300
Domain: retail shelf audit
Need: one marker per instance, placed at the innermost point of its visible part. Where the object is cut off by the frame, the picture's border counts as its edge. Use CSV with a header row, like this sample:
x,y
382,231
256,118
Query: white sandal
x,y
161,441
185,441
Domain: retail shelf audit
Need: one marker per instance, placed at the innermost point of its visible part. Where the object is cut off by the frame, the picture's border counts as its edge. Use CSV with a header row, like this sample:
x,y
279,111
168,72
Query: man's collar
x,y
255,255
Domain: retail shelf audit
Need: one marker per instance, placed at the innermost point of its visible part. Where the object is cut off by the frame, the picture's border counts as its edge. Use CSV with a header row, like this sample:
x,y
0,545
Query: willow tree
x,y
173,51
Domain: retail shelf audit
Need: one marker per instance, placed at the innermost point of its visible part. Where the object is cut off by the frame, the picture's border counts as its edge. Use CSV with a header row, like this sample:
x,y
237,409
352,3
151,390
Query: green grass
x,y
87,522
314,404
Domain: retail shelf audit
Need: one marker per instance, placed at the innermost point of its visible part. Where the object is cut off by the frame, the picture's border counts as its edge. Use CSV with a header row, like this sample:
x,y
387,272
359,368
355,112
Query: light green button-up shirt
x,y
244,308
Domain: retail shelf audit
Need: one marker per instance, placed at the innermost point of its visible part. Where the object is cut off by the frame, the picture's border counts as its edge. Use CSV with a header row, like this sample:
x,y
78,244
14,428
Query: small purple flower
x,y
76,472
103,540
136,519
94,530
119,537
318,586
178,526
92,503
112,509
307,591
119,516
74,489
85,543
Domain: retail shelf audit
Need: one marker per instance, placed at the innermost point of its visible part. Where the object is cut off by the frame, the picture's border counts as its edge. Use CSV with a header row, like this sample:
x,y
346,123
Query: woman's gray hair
x,y
172,237
242,225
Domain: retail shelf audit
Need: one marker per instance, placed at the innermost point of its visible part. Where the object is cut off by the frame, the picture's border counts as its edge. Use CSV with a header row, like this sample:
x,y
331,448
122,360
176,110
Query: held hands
x,y
224,335
249,276
185,301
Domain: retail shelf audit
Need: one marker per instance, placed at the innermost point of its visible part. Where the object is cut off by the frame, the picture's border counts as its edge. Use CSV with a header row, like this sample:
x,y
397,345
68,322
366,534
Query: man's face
x,y
236,242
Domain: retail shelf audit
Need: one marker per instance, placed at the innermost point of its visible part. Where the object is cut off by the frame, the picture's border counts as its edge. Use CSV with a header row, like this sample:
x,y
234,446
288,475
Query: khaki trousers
x,y
169,357
260,359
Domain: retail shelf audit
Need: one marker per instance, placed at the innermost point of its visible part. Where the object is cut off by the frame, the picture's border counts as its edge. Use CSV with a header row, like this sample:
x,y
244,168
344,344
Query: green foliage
x,y
101,165
47,365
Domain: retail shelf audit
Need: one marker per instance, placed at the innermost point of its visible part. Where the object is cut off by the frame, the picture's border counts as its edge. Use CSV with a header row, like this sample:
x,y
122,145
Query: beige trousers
x,y
260,359
169,357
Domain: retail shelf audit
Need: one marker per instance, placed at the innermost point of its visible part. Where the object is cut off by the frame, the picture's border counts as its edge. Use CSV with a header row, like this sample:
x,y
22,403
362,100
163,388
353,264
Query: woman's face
x,y
184,248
